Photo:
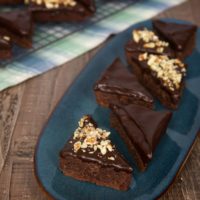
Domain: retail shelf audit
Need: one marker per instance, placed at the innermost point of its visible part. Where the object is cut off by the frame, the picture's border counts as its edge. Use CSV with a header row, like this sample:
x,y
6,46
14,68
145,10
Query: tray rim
x,y
187,154
48,194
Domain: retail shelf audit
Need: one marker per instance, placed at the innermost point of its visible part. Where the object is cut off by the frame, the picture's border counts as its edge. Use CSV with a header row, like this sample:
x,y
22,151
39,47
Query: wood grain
x,y
25,108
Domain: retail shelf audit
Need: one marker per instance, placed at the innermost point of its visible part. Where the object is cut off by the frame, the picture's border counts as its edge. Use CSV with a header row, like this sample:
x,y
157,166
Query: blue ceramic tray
x,y
79,100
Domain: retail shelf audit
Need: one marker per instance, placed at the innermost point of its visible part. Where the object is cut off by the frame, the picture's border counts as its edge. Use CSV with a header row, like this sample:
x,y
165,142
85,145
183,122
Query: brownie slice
x,y
145,40
118,85
5,47
163,76
180,36
141,129
60,11
90,156
18,26
11,2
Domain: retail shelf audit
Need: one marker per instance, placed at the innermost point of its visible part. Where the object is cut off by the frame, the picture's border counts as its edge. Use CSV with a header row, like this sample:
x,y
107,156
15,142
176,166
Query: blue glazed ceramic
x,y
80,100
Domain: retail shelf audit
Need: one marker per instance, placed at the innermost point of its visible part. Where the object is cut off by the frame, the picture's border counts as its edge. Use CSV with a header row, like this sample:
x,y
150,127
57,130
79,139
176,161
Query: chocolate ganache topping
x,y
91,143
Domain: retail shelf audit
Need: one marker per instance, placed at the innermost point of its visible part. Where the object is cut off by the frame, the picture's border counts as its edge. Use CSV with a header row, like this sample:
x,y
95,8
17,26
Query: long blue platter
x,y
169,156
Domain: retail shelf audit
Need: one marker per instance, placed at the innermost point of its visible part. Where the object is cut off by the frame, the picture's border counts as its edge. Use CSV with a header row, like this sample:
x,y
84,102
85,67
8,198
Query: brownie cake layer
x,y
141,129
118,85
18,26
90,156
59,11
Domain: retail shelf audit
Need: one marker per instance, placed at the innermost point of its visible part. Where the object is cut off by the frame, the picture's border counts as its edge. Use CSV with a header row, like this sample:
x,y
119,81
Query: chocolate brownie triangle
x,y
60,11
90,156
146,40
180,36
5,47
141,129
18,26
118,85
161,75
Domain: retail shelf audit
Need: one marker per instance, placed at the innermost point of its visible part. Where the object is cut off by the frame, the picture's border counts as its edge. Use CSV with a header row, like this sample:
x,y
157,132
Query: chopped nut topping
x,y
150,39
53,3
170,71
91,139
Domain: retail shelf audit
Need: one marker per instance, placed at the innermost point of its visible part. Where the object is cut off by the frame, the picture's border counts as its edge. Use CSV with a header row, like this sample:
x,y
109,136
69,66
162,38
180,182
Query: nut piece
x,y
7,38
142,57
77,146
160,50
111,158
149,45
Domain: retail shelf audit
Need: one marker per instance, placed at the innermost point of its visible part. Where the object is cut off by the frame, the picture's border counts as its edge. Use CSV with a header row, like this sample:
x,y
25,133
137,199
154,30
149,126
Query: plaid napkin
x,y
74,45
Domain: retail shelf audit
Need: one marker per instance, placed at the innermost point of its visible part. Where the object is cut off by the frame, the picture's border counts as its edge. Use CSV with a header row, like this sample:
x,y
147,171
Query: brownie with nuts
x,y
141,129
61,10
5,47
118,85
146,40
90,156
18,26
163,76
180,36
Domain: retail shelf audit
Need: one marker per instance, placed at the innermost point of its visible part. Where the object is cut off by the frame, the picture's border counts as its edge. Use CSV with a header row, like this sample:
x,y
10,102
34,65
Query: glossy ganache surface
x,y
144,127
97,146
118,80
177,34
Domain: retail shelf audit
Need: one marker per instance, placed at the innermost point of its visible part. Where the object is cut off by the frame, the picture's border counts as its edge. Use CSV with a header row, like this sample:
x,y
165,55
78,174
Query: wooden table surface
x,y
25,108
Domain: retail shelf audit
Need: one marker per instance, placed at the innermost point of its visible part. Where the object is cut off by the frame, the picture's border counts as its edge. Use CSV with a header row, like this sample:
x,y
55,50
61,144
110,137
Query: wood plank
x,y
25,108
10,101
24,172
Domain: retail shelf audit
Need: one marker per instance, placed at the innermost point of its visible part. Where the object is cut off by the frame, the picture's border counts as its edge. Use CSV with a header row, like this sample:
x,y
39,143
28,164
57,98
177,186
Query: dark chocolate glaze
x,y
143,126
118,80
119,163
132,46
19,22
176,34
